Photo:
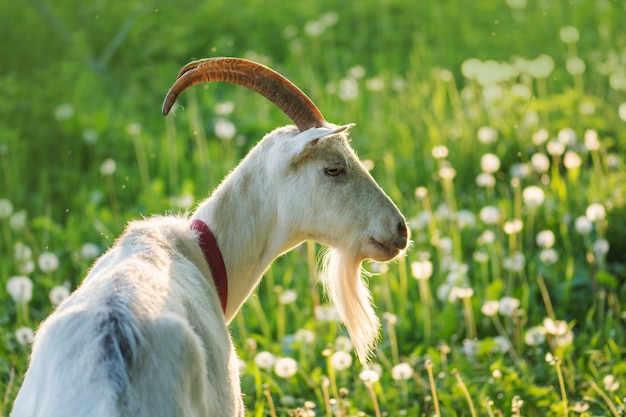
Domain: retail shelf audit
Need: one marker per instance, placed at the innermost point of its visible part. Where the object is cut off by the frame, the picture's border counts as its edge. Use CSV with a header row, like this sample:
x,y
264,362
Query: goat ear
x,y
313,135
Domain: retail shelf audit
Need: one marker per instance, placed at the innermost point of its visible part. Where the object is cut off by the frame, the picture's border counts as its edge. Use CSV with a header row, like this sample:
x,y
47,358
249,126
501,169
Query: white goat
x,y
146,332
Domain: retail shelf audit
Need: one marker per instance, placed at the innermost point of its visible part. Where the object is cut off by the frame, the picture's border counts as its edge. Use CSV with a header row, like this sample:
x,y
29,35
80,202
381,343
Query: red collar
x,y
213,257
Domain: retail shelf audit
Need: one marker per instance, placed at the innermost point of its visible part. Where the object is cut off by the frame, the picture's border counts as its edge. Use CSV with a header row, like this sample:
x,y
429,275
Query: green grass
x,y
504,325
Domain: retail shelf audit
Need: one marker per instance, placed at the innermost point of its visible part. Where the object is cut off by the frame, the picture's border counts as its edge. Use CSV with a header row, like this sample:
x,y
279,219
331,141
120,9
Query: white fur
x,y
144,334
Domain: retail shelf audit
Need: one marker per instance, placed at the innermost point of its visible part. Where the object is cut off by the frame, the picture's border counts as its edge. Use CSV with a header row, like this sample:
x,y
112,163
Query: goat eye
x,y
333,171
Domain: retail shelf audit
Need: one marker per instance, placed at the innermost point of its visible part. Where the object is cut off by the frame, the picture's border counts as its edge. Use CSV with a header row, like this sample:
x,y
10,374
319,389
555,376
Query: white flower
x,y
343,343
58,294
513,226
133,128
470,348
63,112
369,376
304,336
108,166
285,367
375,84
555,147
541,67
502,344
17,221
540,162
540,136
288,297
621,111
575,65
516,4
390,318
487,237
487,135
48,262
549,256
264,360
572,160
89,251
490,163
592,143
583,225
90,136
533,196
569,34
490,308
508,306
20,289
535,336
601,247
447,172
24,336
421,269
545,239
402,372
224,129
519,171
440,152
341,360
554,327
595,212
489,214
485,180
610,383
224,108
22,252
348,89
515,262
326,313
462,292
6,208
465,218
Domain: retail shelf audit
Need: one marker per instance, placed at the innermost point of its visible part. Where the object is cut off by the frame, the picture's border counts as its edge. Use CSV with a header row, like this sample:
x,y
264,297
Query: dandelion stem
x,y
469,317
605,397
546,297
433,388
459,379
270,402
326,395
370,388
559,374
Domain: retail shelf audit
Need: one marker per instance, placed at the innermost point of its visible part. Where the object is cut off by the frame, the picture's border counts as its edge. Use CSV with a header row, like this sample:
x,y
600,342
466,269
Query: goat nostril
x,y
403,230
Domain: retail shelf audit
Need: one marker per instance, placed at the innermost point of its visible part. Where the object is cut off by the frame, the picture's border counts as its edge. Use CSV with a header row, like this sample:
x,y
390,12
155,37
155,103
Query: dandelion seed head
x,y
514,262
90,136
264,360
285,367
575,65
600,247
621,111
17,221
592,143
489,215
485,180
487,237
534,336
64,112
24,336
225,129
58,294
487,135
369,376
440,152
465,219
513,226
540,162
610,383
343,343
555,147
490,308
133,129
489,163
595,212
516,4
20,288
375,84
348,89
341,360
288,297
6,208
533,196
569,34
89,251
572,160
549,256
583,225
541,67
402,372
108,166
446,172
421,269
545,239
224,108
508,305
48,262
540,137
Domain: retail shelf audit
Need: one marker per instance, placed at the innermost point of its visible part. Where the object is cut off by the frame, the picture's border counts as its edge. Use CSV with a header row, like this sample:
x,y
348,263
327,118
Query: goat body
x,y
145,334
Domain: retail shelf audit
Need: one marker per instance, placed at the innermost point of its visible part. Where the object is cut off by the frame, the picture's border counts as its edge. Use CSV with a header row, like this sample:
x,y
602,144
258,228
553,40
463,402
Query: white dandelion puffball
x,y
421,269
6,208
508,305
569,34
369,376
285,367
490,308
489,214
533,196
402,372
341,360
288,297
58,294
225,129
489,163
487,135
545,239
108,166
440,152
48,262
572,160
265,360
595,212
583,225
24,336
20,288
540,162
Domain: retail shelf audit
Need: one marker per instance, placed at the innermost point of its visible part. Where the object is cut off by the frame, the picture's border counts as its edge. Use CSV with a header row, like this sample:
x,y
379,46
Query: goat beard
x,y
342,278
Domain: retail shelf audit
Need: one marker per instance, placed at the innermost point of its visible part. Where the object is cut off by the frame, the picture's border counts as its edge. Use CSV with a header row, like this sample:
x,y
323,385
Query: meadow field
x,y
498,127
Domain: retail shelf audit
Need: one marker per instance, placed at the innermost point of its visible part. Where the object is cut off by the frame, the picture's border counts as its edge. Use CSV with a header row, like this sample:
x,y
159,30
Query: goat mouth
x,y
383,251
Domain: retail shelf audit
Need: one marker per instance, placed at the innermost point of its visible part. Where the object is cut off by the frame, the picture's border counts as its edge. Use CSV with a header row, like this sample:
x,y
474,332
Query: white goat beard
x,y
341,276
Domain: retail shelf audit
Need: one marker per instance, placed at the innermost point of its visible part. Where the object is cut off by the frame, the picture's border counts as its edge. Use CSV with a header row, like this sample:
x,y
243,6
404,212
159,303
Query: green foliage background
x,y
111,62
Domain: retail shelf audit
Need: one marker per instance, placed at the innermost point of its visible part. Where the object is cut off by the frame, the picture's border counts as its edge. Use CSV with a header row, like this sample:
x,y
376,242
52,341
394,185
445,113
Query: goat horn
x,y
265,81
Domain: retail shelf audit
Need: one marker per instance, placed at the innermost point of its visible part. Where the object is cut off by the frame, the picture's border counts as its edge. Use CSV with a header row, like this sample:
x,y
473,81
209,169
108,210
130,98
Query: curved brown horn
x,y
270,84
